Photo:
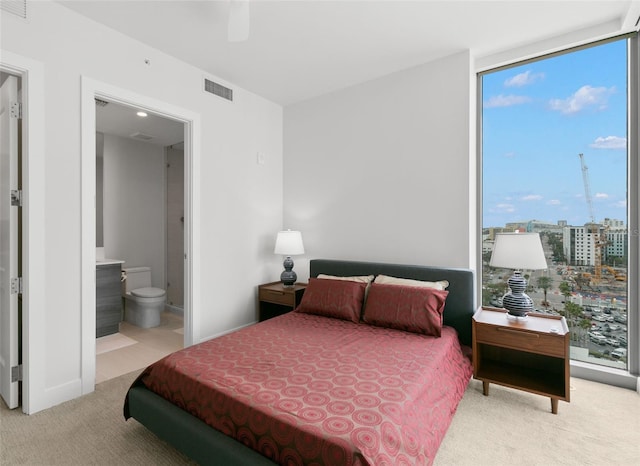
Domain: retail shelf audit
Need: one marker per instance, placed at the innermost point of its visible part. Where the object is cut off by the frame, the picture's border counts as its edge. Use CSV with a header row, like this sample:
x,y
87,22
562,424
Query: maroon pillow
x,y
333,298
410,308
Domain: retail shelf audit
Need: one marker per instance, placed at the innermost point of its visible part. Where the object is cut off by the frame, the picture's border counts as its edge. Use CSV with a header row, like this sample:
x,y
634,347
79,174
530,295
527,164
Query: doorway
x,y
139,207
34,393
175,228
92,90
10,239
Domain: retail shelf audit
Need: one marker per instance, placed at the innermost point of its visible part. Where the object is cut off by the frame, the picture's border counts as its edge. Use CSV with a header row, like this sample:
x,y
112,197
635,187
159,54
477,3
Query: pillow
x,y
410,308
386,280
368,279
359,279
340,299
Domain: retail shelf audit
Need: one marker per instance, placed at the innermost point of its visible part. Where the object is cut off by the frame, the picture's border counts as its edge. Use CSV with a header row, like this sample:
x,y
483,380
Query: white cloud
x,y
622,204
510,155
583,98
553,202
505,208
523,79
531,197
610,142
601,196
506,100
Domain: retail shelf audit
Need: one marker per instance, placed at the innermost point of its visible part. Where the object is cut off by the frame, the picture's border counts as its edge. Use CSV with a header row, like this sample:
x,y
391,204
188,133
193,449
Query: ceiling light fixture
x,y
142,114
238,25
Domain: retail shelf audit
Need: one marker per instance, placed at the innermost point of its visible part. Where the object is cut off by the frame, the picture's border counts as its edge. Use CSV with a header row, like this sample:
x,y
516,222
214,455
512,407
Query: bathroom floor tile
x,y
152,344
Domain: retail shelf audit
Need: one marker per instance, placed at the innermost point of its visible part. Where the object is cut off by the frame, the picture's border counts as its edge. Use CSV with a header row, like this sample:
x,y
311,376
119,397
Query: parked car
x,y
613,342
496,301
620,319
619,353
599,318
598,338
623,340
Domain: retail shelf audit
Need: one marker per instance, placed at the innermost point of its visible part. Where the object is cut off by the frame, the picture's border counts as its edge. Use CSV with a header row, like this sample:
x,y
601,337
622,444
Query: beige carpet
x,y
601,426
86,431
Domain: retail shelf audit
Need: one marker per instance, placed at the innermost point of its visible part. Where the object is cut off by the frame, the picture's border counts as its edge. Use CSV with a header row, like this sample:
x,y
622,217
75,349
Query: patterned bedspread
x,y
305,389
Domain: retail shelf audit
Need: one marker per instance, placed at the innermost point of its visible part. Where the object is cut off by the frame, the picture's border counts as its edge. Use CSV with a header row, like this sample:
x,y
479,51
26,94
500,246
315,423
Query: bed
x,y
327,383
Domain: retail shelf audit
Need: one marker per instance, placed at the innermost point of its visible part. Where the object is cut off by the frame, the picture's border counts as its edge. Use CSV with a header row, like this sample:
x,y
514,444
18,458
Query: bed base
x,y
189,434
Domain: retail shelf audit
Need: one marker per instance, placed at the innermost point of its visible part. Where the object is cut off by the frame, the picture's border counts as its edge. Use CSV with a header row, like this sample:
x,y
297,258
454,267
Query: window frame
x,y
628,378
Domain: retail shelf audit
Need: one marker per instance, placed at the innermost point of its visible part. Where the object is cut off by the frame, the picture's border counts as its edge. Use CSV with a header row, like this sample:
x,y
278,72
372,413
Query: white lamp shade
x,y
518,251
289,243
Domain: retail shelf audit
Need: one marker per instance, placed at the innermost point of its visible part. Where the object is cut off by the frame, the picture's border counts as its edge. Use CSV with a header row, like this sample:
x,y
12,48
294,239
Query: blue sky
x,y
537,118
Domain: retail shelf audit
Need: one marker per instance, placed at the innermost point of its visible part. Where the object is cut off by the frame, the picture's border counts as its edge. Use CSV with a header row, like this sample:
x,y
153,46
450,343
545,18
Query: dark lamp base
x,y
288,277
516,302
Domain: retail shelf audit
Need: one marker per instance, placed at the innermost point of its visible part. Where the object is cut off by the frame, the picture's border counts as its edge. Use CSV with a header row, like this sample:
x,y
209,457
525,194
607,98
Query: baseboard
x,y
173,309
227,331
603,374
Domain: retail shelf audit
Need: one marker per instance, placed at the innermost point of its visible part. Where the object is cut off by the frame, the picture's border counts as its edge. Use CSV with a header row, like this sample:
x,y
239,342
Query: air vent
x,y
101,103
142,136
16,7
218,89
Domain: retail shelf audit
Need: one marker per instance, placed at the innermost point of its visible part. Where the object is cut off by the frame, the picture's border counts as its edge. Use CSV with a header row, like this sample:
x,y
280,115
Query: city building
x,y
579,243
536,226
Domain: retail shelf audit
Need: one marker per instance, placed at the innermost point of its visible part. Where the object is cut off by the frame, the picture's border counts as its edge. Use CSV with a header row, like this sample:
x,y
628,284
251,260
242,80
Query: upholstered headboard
x,y
460,305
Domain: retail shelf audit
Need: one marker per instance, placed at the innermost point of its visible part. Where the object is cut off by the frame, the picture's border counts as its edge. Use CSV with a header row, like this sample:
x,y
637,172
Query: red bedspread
x,y
304,389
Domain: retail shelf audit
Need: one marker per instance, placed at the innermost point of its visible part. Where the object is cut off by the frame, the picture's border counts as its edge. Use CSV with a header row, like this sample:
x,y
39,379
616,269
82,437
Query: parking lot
x,y
604,307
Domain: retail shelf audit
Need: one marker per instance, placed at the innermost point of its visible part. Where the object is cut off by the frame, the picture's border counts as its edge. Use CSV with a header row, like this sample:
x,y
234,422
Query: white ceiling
x,y
122,120
301,49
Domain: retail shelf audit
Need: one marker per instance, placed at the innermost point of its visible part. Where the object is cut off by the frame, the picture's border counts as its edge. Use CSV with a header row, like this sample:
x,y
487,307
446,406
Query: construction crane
x,y
599,240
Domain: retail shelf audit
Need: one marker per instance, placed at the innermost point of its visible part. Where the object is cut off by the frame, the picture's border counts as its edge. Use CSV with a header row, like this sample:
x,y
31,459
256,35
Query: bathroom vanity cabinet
x,y
108,298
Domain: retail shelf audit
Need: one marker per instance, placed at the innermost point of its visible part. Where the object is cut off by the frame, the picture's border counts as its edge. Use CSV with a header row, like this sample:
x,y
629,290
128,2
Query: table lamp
x,y
518,251
288,243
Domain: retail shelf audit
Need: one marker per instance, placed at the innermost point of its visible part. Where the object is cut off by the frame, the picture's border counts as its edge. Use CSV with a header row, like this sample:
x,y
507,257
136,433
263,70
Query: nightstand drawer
x,y
523,340
277,297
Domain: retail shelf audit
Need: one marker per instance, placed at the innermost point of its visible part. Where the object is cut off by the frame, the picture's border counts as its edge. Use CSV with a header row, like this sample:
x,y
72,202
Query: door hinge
x,y
16,373
16,110
16,285
16,197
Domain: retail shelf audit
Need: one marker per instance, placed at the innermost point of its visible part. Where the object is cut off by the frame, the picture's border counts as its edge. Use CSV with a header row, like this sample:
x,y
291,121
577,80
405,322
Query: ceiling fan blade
x,y
238,27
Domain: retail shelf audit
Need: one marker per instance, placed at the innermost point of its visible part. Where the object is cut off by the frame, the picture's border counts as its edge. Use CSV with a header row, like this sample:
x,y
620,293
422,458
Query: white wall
x,y
134,205
381,171
241,202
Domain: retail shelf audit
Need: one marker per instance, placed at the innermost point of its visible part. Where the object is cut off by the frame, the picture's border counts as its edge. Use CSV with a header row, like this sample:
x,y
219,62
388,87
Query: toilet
x,y
142,302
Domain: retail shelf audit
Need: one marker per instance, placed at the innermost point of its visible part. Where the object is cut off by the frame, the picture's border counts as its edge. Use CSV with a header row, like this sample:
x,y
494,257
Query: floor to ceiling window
x,y
555,161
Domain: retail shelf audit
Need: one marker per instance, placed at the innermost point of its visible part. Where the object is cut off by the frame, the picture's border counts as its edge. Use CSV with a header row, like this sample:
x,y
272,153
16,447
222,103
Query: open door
x,y
9,202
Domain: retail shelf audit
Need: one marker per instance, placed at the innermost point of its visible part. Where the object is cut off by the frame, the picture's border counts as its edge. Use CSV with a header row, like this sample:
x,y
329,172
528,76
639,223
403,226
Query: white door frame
x,y
91,89
9,244
31,72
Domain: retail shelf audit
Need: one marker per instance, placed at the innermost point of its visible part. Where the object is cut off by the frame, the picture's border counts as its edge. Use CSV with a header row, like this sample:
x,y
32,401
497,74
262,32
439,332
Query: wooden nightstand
x,y
530,354
276,299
